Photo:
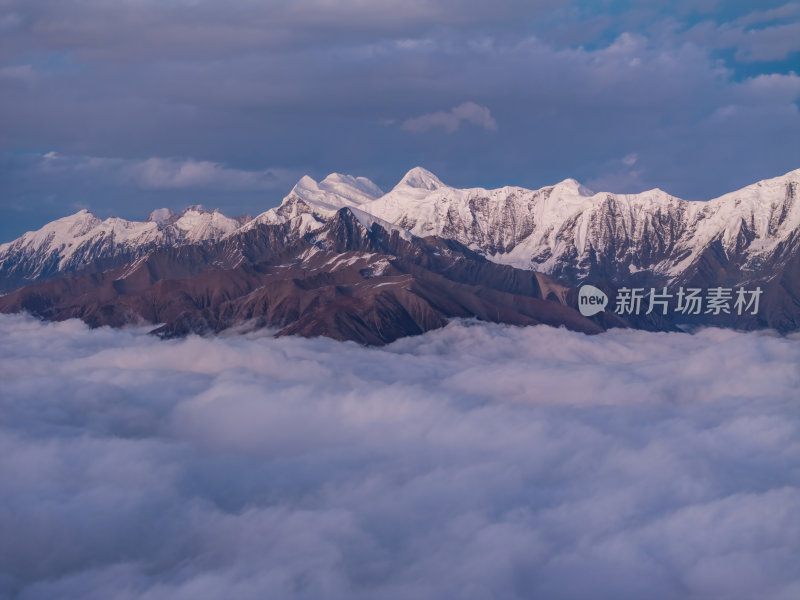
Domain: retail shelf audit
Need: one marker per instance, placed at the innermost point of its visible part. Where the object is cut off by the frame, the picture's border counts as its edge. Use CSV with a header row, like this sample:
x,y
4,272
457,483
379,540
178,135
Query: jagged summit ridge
x,y
83,239
575,234
565,229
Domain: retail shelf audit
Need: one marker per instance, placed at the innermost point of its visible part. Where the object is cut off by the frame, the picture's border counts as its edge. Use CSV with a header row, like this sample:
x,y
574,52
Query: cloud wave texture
x,y
477,461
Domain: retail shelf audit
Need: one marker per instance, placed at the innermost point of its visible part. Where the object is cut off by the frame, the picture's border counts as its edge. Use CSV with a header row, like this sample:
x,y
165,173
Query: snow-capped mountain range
x,y
564,230
568,231
82,240
342,258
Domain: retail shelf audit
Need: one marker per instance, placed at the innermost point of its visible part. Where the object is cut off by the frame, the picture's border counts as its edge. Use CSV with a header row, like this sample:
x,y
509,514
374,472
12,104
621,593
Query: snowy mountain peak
x,y
306,182
197,224
310,202
659,195
573,187
420,178
334,192
73,225
340,178
82,239
338,181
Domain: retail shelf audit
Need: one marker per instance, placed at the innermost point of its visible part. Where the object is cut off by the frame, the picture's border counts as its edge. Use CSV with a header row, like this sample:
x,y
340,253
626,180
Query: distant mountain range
x,y
342,258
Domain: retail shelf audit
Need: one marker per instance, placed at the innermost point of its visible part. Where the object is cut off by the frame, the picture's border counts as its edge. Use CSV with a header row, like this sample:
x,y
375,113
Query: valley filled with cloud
x,y
477,461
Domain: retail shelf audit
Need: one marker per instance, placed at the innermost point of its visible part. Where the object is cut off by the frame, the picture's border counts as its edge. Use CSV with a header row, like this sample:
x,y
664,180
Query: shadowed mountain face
x,y
347,281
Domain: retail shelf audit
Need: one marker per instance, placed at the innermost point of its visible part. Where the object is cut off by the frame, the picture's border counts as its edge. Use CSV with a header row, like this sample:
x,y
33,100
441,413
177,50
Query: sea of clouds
x,y
478,461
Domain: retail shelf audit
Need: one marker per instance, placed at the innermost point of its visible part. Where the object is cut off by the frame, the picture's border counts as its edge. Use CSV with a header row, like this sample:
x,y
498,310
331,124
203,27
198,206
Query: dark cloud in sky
x,y
476,461
705,94
452,120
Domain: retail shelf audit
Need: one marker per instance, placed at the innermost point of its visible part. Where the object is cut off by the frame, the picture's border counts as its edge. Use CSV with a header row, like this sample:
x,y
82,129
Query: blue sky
x,y
123,107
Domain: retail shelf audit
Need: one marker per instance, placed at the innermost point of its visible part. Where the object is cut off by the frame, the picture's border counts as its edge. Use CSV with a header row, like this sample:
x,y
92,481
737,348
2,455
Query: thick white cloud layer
x,y
473,462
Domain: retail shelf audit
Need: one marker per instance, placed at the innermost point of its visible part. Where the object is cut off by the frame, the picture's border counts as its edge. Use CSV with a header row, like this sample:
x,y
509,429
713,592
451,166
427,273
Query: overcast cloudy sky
x,y
125,106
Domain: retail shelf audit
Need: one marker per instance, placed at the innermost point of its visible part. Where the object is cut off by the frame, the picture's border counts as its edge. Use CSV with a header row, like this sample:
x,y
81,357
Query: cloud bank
x,y
473,462
160,173
450,121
